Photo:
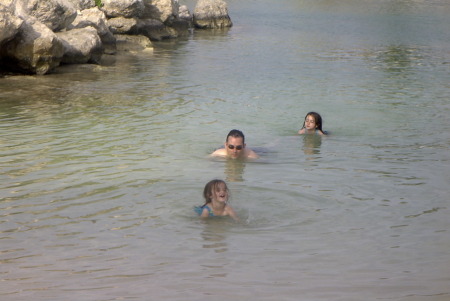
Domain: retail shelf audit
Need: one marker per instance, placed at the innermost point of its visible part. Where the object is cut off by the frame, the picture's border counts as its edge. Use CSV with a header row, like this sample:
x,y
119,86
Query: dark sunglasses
x,y
238,147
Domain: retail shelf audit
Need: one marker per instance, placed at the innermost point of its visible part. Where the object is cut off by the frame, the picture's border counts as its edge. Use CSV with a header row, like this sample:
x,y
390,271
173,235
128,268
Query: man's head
x,y
235,144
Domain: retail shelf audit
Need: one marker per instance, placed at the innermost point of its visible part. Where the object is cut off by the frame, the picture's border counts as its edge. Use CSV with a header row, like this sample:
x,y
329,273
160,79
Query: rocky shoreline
x,y
37,36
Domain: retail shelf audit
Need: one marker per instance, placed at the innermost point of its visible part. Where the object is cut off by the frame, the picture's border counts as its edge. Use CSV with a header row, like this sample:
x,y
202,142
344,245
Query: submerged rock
x,y
127,43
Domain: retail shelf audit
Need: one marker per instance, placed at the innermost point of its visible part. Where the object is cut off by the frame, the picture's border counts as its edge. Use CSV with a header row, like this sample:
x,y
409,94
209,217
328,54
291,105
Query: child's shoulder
x,y
229,211
200,209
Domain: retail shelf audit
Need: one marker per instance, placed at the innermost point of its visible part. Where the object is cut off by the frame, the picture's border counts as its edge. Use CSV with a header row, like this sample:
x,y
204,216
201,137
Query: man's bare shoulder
x,y
221,152
251,154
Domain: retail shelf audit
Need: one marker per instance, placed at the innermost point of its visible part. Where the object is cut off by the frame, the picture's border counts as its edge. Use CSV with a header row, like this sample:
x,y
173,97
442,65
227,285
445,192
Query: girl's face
x,y
310,123
220,193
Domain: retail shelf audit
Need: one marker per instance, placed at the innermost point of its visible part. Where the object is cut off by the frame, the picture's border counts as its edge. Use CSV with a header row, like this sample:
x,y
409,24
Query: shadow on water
x,y
214,234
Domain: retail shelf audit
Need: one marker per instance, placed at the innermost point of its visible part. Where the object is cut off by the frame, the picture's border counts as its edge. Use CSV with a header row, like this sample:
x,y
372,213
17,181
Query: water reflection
x,y
214,237
234,170
311,145
212,34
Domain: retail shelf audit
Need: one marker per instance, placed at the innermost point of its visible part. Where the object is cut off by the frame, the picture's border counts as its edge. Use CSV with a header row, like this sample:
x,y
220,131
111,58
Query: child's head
x,y
314,120
215,189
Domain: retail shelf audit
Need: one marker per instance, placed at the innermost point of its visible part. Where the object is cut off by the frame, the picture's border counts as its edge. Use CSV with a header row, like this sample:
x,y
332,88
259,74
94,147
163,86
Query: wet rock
x,y
127,43
211,14
81,45
155,30
165,12
180,27
34,49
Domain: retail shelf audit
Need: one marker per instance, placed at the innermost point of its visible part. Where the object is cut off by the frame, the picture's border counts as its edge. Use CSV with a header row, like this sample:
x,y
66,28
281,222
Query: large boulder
x,y
82,4
123,8
185,14
35,49
96,18
154,29
162,10
9,24
56,14
7,4
122,25
81,45
211,14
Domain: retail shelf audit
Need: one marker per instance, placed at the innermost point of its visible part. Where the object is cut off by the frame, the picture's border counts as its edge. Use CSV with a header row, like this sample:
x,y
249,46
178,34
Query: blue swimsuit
x,y
199,210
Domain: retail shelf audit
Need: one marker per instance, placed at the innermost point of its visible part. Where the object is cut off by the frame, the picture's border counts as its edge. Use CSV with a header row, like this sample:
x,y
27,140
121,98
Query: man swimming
x,y
235,147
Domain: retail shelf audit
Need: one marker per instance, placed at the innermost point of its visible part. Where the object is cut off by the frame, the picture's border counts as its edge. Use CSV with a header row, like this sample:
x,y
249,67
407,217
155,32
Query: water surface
x,y
101,165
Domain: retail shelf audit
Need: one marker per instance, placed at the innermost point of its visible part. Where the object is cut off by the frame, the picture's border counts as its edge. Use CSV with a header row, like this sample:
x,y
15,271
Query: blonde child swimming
x,y
312,124
216,201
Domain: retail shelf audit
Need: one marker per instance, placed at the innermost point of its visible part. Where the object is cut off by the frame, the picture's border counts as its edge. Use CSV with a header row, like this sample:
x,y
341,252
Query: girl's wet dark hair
x,y
317,118
210,187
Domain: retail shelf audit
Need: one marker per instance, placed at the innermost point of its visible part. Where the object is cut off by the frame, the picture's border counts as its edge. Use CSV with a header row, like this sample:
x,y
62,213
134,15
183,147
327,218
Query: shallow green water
x,y
101,165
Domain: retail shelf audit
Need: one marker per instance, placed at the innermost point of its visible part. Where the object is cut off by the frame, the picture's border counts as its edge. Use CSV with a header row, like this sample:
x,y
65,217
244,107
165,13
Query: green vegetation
x,y
98,3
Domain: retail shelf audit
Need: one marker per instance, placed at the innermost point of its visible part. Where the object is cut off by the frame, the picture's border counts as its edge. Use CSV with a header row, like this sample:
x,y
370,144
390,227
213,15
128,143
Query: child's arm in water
x,y
205,212
229,211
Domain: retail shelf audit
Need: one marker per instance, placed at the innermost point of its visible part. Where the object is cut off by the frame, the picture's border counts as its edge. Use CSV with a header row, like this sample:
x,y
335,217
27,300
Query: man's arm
x,y
251,154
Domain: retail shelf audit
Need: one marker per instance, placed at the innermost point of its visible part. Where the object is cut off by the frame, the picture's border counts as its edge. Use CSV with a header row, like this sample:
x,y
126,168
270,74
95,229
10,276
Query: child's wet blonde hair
x,y
210,187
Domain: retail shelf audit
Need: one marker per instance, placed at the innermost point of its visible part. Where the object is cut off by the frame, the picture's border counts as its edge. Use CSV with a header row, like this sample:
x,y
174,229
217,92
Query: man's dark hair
x,y
236,134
